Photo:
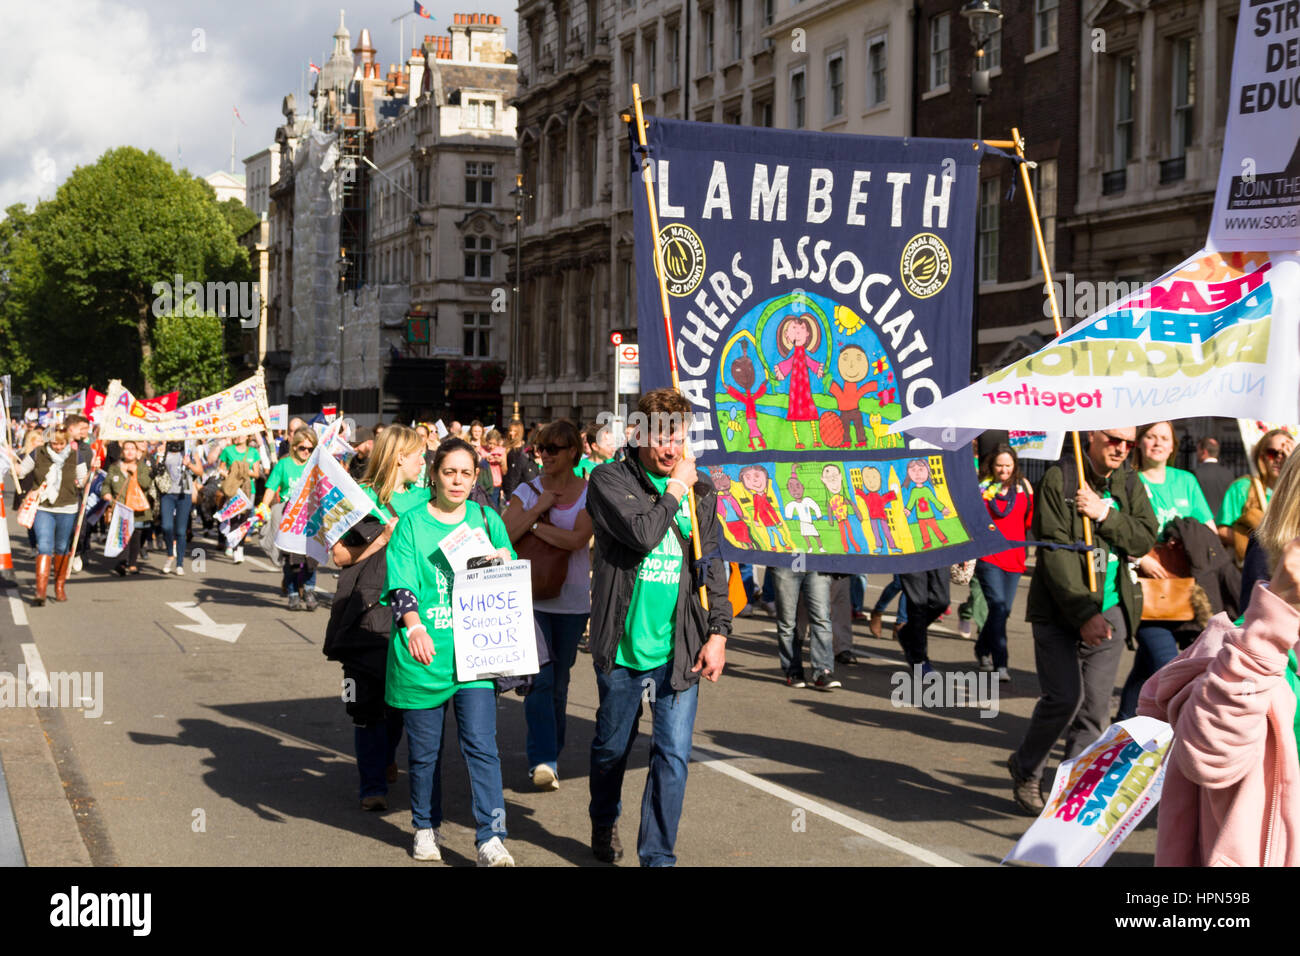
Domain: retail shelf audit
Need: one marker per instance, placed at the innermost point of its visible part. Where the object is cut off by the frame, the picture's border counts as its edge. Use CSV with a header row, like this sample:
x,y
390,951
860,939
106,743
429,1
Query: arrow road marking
x,y
203,624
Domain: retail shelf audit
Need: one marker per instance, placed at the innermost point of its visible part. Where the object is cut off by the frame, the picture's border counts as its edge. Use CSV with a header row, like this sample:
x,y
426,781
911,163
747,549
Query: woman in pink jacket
x,y
1232,785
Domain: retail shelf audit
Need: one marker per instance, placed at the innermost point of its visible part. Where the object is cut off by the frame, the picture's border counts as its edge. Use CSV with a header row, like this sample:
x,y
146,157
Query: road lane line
x,y
36,676
18,610
716,761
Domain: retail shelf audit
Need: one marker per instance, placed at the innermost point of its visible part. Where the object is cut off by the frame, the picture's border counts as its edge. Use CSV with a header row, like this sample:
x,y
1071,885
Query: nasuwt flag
x,y
1217,335
238,410
820,289
1100,796
322,506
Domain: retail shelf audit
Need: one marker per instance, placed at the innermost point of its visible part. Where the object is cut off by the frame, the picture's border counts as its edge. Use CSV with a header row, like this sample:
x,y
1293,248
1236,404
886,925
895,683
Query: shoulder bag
x,y
1169,599
550,564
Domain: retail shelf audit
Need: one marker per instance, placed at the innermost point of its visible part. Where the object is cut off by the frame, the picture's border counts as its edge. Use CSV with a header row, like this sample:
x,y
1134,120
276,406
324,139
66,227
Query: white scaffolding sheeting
x,y
314,362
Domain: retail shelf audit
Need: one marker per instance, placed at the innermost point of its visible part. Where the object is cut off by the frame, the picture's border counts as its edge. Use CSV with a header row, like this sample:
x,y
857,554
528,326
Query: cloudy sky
x,y
165,74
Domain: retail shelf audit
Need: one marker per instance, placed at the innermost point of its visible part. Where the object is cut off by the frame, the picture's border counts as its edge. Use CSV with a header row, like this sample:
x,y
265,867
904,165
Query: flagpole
x,y
1019,144
648,177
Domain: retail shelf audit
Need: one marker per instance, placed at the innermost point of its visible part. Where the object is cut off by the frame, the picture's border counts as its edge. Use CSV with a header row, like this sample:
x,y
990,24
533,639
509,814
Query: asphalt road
x,y
216,752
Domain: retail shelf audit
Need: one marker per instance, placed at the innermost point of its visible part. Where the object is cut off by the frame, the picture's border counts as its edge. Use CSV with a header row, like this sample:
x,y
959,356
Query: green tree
x,y
13,357
97,256
239,216
189,355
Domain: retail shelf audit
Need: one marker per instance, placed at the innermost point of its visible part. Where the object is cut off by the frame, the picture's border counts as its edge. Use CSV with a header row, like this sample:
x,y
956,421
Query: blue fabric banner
x,y
820,289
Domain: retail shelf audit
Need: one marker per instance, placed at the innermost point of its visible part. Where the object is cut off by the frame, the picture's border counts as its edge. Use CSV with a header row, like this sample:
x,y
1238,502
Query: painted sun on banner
x,y
820,288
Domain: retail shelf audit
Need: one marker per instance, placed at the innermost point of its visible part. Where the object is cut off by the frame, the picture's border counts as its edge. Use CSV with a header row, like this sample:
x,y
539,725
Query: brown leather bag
x,y
550,564
1169,599
1251,515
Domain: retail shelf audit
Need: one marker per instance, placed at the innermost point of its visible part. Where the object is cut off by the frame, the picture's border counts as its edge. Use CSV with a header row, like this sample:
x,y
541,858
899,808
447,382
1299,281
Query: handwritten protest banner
x,y
239,410
1100,796
492,622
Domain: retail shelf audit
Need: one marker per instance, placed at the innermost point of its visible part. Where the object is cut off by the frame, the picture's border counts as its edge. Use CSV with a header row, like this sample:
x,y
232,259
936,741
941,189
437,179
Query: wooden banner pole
x,y
1056,321
647,176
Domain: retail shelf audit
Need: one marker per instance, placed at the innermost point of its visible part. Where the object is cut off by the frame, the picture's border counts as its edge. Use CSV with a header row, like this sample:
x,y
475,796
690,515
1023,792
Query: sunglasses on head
x,y
1115,442
553,449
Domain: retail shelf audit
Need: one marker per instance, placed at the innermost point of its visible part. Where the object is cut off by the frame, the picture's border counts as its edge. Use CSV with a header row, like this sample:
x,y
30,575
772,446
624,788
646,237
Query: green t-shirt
x,y
402,500
1178,496
415,562
230,454
1110,590
284,476
647,640
1293,681
1234,501
585,466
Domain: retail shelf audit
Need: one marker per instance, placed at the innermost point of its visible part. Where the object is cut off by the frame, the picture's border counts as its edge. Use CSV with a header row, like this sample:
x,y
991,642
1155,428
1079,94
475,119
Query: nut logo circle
x,y
682,254
925,265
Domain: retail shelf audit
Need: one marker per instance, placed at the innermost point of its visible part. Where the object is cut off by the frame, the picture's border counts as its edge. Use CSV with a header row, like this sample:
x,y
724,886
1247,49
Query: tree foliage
x,y
189,355
85,264
239,216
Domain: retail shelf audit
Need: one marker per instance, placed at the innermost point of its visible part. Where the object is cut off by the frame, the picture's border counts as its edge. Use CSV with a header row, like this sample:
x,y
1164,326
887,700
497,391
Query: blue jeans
x,y
768,593
621,694
174,510
815,588
857,591
747,578
1156,647
999,593
545,704
376,746
476,717
882,603
53,532
296,576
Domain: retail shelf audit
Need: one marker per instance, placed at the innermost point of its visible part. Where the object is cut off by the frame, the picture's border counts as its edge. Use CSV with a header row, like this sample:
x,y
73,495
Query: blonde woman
x,y
299,576
1247,498
53,469
359,626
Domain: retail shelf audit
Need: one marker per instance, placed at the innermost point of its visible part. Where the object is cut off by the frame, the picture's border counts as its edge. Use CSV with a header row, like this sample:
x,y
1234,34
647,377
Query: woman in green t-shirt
x,y
421,675
1174,494
299,575
1247,498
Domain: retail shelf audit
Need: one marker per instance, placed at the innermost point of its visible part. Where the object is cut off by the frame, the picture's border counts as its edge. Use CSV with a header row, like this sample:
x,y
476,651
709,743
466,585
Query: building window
x,y
479,114
1045,24
706,39
587,146
592,15
835,86
673,50
1125,90
731,117
988,230
993,49
428,259
1184,96
737,27
939,51
797,95
422,184
478,334
769,14
877,70
763,114
629,66
556,170
651,54
1043,179
478,183
478,257
561,32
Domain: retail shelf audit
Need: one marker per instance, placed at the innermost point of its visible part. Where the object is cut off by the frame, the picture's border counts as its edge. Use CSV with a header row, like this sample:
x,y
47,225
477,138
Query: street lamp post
x,y
984,18
520,195
343,286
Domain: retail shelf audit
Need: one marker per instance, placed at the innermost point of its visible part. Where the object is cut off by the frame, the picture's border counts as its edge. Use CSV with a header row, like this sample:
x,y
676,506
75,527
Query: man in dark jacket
x,y
1078,631
1213,478
643,535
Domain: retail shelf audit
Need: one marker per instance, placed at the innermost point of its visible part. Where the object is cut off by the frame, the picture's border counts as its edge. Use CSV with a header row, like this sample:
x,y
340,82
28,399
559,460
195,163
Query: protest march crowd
x,y
1198,572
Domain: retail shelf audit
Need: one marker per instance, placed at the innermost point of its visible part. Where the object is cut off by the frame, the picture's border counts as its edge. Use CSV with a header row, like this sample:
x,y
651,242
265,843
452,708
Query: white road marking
x,y
36,675
19,610
259,563
715,757
203,624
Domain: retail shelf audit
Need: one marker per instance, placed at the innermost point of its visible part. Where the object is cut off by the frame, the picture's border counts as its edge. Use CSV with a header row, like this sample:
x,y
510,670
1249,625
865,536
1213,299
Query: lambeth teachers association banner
x,y
820,288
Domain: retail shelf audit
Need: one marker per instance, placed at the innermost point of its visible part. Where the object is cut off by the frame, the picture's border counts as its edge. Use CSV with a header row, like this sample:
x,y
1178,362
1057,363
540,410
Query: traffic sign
x,y
628,355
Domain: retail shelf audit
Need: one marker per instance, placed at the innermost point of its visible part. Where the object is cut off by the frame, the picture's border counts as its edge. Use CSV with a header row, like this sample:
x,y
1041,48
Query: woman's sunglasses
x,y
1275,454
553,449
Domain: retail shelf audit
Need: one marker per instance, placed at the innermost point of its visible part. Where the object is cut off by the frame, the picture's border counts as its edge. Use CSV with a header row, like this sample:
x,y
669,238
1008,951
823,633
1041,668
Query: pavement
x,y
208,730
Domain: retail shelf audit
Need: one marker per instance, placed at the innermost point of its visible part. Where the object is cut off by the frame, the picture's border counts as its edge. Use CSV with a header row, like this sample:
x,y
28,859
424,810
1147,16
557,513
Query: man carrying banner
x,y
642,523
1077,631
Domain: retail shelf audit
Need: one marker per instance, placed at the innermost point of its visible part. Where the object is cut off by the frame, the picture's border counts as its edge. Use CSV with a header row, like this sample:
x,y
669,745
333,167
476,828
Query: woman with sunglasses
x,y
421,674
299,576
1174,494
359,626
554,507
1231,794
1247,498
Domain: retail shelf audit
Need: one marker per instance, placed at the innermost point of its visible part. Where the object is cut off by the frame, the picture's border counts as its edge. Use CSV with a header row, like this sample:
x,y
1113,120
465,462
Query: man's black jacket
x,y
630,519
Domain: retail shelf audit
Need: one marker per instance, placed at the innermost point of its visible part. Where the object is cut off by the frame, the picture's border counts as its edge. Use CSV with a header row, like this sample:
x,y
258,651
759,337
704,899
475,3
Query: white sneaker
x,y
230,552
964,628
1003,674
426,845
544,778
180,570
76,564
494,853
239,554
169,565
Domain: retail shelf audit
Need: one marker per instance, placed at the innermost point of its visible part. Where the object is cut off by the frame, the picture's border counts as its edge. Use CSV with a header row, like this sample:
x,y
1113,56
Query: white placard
x,y
492,622
440,429
465,543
